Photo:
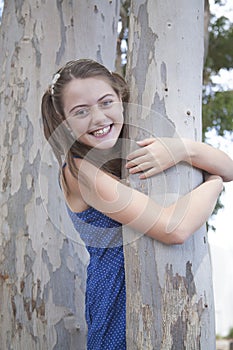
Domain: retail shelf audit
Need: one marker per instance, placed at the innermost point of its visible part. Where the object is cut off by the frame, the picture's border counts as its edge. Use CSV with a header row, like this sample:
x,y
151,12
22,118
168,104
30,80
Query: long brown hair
x,y
64,145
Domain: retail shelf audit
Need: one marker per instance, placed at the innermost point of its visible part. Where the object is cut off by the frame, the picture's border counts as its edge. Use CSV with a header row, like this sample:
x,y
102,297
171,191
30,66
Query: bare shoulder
x,y
93,187
74,198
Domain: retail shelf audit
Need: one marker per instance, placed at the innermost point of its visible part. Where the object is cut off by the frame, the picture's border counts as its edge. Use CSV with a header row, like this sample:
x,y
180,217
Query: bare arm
x,y
210,159
170,225
156,155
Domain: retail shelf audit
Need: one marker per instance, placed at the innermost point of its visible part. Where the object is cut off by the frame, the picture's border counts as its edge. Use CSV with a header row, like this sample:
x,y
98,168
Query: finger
x,y
137,161
138,153
149,173
140,168
146,142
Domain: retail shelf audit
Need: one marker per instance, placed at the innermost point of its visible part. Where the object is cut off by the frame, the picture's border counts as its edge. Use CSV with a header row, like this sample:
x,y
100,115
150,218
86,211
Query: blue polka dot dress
x,y
105,290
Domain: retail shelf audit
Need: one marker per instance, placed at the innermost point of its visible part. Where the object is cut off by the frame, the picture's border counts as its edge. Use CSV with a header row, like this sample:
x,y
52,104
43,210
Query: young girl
x,y
83,121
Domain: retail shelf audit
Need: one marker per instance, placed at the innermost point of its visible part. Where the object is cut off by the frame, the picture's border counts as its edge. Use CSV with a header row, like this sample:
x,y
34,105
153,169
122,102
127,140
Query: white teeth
x,y
101,132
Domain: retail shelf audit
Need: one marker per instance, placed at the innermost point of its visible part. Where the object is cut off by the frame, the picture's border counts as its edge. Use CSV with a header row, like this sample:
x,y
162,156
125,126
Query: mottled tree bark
x,y
169,288
42,260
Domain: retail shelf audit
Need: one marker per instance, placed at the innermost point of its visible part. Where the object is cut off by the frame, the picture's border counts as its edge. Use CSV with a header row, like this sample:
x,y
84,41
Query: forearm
x,y
190,212
170,225
209,159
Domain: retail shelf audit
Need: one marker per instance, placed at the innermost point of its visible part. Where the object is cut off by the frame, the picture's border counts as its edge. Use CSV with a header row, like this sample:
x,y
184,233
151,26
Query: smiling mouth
x,y
102,132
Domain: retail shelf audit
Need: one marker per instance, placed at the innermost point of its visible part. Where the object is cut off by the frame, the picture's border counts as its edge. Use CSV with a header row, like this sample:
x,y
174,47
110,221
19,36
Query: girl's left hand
x,y
156,155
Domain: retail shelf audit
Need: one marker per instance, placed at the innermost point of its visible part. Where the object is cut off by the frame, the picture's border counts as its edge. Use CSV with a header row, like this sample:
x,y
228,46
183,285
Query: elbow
x,y
172,232
228,177
178,236
179,240
176,240
228,172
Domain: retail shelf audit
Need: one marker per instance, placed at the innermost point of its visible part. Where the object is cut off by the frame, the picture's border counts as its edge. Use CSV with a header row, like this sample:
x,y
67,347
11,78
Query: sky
x,y
221,241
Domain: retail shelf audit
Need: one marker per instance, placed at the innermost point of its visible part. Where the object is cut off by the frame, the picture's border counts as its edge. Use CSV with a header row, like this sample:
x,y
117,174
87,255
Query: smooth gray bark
x,y
42,260
169,288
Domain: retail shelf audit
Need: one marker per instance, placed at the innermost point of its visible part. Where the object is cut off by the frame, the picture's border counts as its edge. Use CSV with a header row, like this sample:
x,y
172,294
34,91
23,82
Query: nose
x,y
97,114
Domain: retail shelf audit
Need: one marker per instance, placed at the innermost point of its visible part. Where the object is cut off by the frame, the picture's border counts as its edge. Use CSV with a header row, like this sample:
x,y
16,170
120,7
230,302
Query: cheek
x,y
79,126
121,121
119,114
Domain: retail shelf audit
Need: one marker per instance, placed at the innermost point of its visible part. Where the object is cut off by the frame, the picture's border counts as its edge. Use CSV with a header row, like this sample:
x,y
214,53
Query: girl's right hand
x,y
156,155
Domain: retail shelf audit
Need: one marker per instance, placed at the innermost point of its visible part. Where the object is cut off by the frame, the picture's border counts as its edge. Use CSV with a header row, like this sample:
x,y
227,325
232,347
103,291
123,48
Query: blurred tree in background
x,y
217,109
217,101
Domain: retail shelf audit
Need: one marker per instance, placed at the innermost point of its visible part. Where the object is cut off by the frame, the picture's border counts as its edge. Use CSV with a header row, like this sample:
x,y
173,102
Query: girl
x,y
83,121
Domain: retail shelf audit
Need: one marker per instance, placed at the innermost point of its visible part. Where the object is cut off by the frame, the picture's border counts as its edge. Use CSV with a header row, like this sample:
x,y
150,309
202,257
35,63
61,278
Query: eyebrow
x,y
85,105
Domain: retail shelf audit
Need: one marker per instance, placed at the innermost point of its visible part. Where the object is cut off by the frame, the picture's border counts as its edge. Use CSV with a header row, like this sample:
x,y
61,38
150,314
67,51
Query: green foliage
x,y
220,51
218,112
220,2
218,104
230,334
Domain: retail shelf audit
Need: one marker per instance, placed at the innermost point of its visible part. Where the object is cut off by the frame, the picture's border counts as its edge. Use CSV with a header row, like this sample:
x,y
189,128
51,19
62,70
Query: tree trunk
x,y
169,288
42,261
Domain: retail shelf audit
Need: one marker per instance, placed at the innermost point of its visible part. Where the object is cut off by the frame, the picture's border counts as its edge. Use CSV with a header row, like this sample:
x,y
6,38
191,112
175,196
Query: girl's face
x,y
93,111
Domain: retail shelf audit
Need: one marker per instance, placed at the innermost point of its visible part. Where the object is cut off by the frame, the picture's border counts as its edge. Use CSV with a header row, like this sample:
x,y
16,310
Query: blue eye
x,y
106,103
82,113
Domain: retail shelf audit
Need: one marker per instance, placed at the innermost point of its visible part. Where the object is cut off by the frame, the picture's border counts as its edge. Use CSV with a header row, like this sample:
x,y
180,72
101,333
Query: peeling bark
x,y
169,288
42,260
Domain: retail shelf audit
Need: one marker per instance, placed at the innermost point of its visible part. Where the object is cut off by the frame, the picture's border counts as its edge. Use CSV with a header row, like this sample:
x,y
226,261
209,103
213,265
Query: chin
x,y
106,144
